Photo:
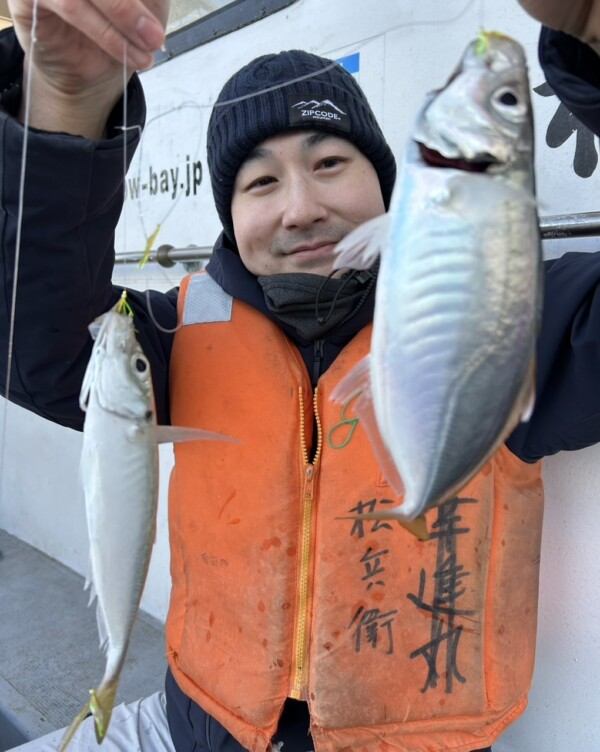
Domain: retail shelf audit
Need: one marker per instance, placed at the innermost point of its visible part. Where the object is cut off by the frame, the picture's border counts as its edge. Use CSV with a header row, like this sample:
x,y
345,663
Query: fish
x,y
120,473
451,367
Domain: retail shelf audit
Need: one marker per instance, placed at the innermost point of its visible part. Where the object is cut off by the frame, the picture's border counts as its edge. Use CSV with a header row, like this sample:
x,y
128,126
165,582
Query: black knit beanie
x,y
282,92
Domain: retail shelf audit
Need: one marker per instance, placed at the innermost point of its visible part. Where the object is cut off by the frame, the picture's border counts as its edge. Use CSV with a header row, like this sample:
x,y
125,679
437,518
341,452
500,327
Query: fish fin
x,y
357,386
77,721
102,628
528,411
357,381
94,327
88,381
417,527
89,585
529,395
100,620
173,434
100,706
89,467
361,247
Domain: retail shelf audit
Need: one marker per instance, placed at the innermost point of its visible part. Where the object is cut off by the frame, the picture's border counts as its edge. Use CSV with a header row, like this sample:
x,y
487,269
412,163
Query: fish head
x,y
481,120
119,376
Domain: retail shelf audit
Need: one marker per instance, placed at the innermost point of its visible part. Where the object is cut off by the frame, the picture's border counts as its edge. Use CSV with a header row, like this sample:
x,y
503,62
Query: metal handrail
x,y
561,226
167,255
557,227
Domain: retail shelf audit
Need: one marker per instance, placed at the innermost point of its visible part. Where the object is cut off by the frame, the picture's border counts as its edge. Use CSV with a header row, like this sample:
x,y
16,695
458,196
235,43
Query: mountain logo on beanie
x,y
305,110
314,105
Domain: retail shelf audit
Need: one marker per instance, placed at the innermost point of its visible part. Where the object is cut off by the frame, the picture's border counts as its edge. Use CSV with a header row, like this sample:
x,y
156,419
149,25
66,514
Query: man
x,y
296,616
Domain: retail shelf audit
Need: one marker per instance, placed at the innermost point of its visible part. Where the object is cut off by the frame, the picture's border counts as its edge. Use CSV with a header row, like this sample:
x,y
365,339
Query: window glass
x,y
196,22
185,12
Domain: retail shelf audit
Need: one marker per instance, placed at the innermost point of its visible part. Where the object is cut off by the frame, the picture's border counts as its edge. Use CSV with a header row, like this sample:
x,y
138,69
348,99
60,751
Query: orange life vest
x,y
280,591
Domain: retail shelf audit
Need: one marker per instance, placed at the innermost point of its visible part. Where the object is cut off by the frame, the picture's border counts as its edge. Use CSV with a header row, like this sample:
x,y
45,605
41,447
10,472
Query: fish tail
x,y
70,732
100,706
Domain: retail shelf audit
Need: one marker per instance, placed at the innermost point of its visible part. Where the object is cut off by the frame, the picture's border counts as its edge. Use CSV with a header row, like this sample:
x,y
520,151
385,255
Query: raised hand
x,y
581,18
78,56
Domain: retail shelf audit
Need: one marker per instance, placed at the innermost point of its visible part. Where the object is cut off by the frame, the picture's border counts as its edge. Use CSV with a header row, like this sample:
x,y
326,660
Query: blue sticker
x,y
351,62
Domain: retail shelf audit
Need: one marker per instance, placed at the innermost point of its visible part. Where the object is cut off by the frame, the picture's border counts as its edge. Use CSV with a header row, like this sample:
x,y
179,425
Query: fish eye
x,y
508,102
508,98
140,364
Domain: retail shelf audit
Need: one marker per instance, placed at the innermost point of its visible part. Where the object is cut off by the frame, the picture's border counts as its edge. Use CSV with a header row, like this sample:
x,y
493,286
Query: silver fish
x,y
119,466
451,368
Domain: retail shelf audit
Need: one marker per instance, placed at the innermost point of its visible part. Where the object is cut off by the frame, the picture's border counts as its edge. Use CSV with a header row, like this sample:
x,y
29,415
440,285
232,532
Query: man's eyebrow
x,y
317,138
310,142
259,152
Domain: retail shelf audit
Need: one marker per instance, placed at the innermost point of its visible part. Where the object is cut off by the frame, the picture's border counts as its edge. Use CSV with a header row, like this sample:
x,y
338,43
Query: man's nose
x,y
304,204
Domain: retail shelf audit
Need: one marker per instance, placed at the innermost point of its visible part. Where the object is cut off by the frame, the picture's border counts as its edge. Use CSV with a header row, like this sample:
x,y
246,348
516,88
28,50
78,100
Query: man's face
x,y
296,196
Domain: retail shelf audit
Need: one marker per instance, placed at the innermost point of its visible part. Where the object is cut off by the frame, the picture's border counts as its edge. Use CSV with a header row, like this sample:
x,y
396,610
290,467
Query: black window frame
x,y
223,21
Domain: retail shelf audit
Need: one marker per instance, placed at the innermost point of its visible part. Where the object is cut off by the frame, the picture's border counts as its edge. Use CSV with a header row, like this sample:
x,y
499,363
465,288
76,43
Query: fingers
x,y
575,17
124,29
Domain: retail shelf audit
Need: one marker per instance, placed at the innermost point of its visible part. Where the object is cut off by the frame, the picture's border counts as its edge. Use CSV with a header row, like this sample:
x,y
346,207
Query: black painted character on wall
x,y
561,127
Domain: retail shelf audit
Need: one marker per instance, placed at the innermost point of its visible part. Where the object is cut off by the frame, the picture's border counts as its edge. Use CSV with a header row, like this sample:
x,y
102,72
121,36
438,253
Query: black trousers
x,y
194,730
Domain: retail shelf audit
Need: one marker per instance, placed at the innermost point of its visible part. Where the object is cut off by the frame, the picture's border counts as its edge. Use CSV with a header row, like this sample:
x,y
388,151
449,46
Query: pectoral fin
x,y
174,434
361,247
356,388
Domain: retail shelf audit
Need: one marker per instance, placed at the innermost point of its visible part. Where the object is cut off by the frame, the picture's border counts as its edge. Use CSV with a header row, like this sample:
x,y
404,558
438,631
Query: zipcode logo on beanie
x,y
305,110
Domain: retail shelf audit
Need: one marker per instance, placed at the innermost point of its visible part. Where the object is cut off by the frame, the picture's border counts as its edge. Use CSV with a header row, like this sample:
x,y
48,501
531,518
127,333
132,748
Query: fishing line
x,y
417,24
154,320
21,202
406,25
125,128
482,9
125,119
274,87
151,237
289,82
19,233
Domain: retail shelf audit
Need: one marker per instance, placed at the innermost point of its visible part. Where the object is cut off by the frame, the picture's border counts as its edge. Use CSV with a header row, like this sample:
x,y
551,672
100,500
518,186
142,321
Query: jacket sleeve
x,y
572,69
567,409
71,202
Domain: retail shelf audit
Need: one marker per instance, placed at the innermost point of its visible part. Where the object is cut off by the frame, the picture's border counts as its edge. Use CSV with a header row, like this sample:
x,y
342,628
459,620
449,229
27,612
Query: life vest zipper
x,y
300,656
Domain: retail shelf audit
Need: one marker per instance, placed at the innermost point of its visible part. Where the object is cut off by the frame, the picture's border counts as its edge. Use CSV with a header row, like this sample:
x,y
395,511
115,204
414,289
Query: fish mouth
x,y
433,158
